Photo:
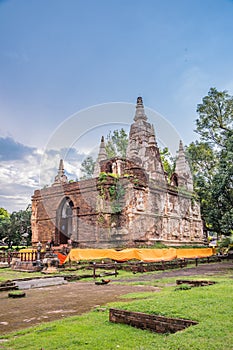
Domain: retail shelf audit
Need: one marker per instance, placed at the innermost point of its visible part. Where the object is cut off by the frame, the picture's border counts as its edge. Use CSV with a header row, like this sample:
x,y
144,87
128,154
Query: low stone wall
x,y
154,323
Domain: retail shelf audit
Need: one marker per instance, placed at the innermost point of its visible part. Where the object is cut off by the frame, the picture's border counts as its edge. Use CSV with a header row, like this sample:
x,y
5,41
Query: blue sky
x,y
58,57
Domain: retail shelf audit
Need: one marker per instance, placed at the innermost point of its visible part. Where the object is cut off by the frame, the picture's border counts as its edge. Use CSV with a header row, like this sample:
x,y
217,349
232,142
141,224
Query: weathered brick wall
x,y
154,323
46,202
148,213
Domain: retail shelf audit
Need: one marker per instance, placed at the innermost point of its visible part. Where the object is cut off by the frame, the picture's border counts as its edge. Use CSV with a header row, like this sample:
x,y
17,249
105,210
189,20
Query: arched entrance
x,y
65,221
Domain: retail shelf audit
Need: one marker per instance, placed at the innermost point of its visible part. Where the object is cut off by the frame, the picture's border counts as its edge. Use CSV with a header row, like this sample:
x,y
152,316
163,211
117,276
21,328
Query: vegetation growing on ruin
x,y
112,190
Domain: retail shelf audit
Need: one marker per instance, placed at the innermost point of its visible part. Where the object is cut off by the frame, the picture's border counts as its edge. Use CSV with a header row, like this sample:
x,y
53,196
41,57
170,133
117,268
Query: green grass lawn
x,y
7,274
210,306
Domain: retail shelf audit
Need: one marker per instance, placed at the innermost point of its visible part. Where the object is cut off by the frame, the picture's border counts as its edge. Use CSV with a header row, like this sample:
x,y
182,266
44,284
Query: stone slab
x,y
41,282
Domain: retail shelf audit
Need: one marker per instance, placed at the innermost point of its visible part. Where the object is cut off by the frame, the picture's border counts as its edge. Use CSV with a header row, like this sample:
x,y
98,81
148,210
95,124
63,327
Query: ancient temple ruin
x,y
129,202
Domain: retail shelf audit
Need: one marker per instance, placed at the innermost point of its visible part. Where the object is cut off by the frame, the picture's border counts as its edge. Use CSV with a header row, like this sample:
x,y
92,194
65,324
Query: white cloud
x,y
27,169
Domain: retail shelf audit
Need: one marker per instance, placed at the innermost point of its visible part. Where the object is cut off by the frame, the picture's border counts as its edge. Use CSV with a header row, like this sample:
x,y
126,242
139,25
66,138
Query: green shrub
x,y
183,286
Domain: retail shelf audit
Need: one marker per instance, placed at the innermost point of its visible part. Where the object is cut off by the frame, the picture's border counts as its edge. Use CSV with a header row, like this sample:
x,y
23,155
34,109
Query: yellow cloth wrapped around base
x,y
146,255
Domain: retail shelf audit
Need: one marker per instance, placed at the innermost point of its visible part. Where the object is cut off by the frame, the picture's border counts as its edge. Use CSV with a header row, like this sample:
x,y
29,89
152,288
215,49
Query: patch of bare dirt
x,y
51,303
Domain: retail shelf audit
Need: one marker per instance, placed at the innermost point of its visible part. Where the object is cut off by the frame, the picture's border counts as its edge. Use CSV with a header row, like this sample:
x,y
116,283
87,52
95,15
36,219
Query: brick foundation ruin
x,y
195,283
154,323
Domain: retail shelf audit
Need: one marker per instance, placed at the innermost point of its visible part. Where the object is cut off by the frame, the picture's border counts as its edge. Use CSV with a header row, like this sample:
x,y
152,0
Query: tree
x,y
4,223
221,192
87,168
203,161
168,161
5,226
117,143
215,117
16,227
4,214
211,160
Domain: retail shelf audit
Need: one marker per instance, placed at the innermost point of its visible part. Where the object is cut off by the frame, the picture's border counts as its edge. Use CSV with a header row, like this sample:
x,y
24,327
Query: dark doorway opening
x,y
65,221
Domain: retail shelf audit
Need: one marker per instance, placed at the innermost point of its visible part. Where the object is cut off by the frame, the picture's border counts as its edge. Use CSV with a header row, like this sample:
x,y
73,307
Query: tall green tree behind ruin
x,y
15,228
211,160
117,142
116,145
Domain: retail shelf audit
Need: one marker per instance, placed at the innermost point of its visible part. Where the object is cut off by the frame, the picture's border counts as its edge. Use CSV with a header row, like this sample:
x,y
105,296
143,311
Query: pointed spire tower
x,y
140,112
60,178
140,132
142,147
183,169
101,156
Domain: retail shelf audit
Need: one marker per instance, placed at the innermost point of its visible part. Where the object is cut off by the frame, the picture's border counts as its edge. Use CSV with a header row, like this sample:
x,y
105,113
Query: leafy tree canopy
x,y
221,191
116,145
211,160
117,142
87,168
168,161
4,214
16,228
215,117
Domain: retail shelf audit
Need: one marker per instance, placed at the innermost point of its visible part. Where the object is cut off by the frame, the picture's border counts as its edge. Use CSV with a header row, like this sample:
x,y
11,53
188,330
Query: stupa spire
x,y
60,177
152,139
140,112
101,156
183,169
181,162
